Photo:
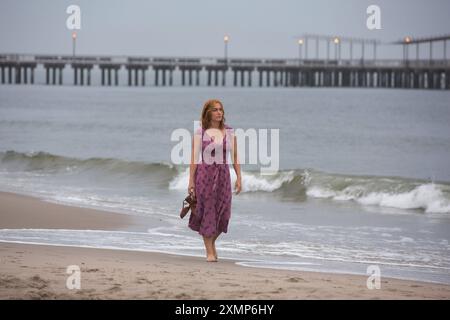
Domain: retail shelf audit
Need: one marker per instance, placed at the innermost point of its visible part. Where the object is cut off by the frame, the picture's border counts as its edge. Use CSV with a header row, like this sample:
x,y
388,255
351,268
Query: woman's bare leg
x,y
214,245
210,257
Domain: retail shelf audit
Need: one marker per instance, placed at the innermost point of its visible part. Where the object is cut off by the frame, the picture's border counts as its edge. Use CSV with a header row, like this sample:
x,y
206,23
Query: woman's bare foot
x,y
209,247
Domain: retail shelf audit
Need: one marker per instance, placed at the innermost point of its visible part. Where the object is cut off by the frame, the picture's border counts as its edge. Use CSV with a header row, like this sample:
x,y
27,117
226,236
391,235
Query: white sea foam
x,y
428,197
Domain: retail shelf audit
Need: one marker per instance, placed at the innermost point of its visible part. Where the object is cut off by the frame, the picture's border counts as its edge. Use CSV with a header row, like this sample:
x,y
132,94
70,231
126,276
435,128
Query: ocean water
x,y
364,175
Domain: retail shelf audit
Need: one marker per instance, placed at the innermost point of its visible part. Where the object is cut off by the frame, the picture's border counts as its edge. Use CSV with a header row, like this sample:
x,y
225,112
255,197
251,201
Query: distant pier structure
x,y
309,69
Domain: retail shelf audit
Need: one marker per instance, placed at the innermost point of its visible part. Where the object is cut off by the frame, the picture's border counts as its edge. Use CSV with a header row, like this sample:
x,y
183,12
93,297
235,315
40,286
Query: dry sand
x,y
39,271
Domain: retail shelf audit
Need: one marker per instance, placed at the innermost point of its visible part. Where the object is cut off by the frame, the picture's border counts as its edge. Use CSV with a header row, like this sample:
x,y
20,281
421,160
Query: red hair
x,y
205,118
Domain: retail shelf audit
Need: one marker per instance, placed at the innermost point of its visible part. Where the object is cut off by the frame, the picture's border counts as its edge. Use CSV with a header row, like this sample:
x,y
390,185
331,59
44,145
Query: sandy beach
x,y
39,271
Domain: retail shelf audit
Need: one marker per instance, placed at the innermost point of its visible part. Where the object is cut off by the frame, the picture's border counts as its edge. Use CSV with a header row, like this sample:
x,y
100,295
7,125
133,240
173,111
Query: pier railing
x,y
211,61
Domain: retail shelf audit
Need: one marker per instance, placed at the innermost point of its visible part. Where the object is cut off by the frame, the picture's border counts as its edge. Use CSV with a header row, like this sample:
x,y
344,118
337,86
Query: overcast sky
x,y
257,28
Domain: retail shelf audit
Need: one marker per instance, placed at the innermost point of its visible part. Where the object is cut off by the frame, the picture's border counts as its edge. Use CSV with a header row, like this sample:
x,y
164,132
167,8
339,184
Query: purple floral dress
x,y
212,187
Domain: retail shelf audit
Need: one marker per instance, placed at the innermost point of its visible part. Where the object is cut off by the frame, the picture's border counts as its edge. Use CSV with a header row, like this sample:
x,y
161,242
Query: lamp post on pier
x,y
226,39
300,46
74,42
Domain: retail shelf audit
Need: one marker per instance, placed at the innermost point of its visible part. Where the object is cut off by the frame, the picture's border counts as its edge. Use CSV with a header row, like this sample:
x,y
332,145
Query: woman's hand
x,y
238,186
191,187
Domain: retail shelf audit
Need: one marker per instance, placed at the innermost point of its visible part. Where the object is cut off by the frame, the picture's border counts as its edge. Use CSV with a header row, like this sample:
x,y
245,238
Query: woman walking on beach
x,y
209,177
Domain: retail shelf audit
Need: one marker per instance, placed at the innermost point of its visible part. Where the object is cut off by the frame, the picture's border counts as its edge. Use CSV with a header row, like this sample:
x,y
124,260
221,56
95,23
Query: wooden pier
x,y
354,73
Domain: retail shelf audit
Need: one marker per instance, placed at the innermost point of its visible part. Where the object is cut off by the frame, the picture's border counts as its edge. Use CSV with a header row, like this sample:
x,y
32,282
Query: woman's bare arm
x,y
236,165
194,160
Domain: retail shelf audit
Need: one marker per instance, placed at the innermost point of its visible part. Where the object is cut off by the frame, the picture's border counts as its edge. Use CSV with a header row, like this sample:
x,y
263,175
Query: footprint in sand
x,y
7,281
143,280
116,288
38,283
226,284
296,279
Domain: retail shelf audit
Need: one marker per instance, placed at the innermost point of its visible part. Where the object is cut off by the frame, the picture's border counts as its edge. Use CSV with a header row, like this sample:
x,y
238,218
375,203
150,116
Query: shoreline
x,y
32,271
20,211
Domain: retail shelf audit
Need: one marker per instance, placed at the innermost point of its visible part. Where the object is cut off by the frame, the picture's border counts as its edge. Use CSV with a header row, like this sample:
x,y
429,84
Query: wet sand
x,y
40,271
